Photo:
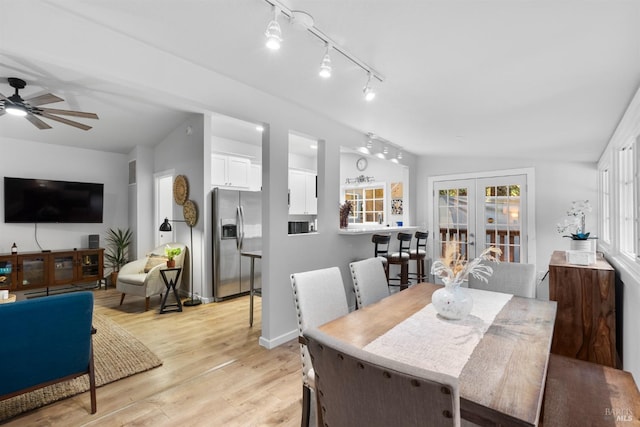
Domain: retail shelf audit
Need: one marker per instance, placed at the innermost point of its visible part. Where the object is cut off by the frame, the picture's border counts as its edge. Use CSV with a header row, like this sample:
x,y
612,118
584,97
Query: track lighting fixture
x,y
325,66
304,21
368,91
385,150
274,33
399,155
369,144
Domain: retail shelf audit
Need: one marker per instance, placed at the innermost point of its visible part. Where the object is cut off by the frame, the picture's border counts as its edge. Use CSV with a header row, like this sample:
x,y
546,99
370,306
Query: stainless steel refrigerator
x,y
237,227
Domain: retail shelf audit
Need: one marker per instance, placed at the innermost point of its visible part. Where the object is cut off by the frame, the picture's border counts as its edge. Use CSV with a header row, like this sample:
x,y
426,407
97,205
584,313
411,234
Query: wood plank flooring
x,y
214,372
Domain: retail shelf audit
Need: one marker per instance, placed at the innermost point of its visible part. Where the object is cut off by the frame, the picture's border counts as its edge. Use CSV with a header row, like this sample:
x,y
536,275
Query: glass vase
x,y
453,301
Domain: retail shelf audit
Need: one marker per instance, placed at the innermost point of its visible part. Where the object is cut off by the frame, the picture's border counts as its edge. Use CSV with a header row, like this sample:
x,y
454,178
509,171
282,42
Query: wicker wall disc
x,y
190,213
180,189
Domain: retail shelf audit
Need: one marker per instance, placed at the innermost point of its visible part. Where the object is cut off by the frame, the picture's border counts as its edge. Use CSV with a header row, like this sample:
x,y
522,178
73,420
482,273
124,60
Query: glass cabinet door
x,y
90,265
33,271
63,267
7,272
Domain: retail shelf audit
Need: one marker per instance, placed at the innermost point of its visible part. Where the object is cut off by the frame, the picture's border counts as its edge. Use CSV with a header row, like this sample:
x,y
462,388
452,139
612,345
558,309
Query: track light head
x,y
273,32
385,150
325,66
368,91
369,144
399,155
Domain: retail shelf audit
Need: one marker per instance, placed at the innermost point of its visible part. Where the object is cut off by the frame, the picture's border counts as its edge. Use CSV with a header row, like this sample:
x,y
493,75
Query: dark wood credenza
x,y
585,326
30,270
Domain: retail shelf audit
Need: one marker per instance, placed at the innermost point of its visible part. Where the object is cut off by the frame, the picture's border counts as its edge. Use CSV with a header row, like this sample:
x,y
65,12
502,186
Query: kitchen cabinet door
x,y
230,171
302,193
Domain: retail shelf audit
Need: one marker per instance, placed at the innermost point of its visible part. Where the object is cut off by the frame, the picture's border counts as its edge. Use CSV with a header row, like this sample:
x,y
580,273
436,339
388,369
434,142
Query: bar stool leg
x,y
404,275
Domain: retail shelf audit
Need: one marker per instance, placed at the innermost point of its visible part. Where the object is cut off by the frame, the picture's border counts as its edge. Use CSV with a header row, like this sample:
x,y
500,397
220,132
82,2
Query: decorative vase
x,y
171,263
453,301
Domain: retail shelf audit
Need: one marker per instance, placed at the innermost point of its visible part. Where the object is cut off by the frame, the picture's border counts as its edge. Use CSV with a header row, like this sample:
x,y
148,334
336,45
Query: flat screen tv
x,y
43,200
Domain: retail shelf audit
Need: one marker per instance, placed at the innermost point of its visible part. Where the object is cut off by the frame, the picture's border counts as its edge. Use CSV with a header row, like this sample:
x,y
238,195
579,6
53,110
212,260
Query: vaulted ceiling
x,y
534,79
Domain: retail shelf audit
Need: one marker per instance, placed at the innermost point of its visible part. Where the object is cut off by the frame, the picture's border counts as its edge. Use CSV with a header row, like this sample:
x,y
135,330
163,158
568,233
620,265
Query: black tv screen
x,y
42,200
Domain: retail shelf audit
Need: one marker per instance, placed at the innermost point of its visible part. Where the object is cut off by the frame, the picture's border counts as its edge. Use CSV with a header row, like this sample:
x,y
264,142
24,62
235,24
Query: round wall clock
x,y
180,189
190,213
361,163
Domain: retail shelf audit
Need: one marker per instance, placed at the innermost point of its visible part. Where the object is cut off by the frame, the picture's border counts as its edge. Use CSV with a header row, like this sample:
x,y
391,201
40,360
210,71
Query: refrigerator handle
x,y
242,226
238,228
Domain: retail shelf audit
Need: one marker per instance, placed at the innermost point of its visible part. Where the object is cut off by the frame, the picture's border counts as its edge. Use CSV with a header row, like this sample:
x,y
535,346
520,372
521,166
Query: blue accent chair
x,y
45,341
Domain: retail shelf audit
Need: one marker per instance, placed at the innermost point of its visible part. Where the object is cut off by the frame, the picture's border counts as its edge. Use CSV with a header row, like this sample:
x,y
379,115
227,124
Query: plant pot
x,y
114,277
171,263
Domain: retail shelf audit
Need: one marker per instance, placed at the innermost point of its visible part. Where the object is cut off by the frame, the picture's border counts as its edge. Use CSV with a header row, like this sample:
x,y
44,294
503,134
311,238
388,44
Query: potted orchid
x,y
575,221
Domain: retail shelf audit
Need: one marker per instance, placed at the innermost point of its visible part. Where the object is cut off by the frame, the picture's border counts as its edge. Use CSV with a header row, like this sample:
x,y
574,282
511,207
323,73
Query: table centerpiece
x,y
453,301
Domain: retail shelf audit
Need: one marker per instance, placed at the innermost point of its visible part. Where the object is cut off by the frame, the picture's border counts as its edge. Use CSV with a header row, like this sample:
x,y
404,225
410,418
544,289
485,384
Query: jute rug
x,y
117,354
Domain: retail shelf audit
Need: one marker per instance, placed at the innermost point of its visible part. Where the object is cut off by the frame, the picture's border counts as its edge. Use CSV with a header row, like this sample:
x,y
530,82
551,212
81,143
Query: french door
x,y
482,212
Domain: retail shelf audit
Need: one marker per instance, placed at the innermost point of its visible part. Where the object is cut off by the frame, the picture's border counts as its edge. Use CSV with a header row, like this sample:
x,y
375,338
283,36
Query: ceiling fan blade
x,y
47,98
37,122
65,121
69,113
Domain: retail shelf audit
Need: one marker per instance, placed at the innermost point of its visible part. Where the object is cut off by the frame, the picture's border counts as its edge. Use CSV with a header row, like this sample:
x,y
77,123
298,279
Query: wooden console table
x,y
30,270
585,326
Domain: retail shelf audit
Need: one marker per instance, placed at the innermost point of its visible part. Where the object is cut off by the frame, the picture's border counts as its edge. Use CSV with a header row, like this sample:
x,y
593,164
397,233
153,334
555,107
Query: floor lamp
x,y
165,226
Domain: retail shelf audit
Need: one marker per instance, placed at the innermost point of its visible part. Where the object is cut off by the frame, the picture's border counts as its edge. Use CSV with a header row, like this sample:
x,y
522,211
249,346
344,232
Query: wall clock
x,y
361,164
180,189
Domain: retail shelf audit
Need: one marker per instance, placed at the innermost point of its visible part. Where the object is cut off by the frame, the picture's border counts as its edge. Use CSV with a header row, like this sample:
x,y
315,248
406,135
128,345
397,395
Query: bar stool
x,y
402,258
381,250
419,254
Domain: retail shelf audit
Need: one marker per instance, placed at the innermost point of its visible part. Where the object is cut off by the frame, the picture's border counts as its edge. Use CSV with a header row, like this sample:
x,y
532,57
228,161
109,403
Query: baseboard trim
x,y
273,343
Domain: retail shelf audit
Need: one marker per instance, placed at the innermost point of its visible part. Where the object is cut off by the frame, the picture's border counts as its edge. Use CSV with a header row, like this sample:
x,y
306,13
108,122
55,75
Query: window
x,y
627,182
605,205
368,204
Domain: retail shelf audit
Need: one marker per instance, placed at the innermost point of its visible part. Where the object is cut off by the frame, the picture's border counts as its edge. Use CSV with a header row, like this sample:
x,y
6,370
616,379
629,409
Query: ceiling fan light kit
x,y
304,21
29,108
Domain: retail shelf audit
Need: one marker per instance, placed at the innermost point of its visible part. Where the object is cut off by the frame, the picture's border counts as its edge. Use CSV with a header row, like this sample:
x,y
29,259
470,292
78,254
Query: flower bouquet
x,y
345,210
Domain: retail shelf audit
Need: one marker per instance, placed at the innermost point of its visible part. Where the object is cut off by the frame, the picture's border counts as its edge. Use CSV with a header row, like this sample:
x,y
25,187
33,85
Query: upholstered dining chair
x,y
319,297
358,388
509,277
142,276
369,281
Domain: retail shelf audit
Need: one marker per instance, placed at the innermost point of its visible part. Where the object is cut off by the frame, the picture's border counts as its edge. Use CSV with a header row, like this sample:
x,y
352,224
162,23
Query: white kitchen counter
x,y
356,231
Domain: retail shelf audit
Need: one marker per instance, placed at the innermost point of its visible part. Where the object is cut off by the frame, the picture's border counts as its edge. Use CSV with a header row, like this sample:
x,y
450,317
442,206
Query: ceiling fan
x,y
29,108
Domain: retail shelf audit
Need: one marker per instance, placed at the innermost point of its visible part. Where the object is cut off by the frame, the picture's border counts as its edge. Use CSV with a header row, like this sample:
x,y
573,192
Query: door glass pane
x,y
502,220
453,217
63,268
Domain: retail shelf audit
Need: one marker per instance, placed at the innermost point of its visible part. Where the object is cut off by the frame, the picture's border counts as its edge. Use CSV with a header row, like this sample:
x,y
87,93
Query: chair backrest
x,y
421,241
508,277
404,244
352,384
369,281
319,297
381,242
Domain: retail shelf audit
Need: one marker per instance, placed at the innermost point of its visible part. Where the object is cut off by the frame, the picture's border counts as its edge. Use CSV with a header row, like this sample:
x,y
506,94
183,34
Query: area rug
x,y
117,355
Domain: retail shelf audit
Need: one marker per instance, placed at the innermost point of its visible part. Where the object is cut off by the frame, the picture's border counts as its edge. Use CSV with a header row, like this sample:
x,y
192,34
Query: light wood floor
x,y
214,372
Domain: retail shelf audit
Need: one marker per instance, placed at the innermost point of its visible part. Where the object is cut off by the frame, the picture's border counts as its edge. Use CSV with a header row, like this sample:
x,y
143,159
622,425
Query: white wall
x,y
28,159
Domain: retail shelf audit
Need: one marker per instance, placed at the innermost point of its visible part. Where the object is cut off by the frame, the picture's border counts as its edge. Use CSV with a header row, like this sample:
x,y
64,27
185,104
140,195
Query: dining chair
x,y
358,388
509,277
319,297
402,258
419,255
369,281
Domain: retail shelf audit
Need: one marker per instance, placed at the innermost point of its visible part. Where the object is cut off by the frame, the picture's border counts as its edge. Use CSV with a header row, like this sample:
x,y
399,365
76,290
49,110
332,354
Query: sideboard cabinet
x,y
585,326
31,270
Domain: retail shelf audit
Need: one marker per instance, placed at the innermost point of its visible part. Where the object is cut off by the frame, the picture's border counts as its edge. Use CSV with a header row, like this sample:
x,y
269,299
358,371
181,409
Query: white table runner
x,y
429,341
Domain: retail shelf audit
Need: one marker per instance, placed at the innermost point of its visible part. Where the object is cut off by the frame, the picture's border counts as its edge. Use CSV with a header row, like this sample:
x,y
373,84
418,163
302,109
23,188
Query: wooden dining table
x,y
503,380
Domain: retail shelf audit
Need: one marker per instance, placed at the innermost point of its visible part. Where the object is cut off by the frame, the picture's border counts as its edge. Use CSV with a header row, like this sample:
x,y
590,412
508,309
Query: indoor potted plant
x,y
117,253
171,253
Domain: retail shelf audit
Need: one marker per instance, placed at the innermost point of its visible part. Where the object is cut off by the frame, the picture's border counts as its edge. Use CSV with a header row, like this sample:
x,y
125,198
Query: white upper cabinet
x,y
230,171
302,193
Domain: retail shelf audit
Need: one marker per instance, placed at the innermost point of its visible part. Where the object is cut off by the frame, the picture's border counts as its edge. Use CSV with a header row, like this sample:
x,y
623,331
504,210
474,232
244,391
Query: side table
x,y
170,277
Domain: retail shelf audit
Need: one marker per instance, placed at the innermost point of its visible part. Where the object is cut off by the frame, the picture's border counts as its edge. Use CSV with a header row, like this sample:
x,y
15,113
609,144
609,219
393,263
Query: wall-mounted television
x,y
43,200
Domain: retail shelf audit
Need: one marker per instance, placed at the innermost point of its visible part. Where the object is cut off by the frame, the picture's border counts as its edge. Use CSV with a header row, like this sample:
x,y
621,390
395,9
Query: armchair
x,y
142,276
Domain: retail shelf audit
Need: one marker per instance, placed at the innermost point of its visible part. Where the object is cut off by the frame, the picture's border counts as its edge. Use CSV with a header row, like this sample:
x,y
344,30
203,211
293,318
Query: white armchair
x,y
142,276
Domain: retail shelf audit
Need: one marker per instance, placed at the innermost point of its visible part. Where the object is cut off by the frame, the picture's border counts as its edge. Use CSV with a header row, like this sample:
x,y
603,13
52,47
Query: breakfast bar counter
x,y
356,231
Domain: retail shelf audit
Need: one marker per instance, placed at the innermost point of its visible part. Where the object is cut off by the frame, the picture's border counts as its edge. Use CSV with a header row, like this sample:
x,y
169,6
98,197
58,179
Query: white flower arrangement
x,y
575,221
454,268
